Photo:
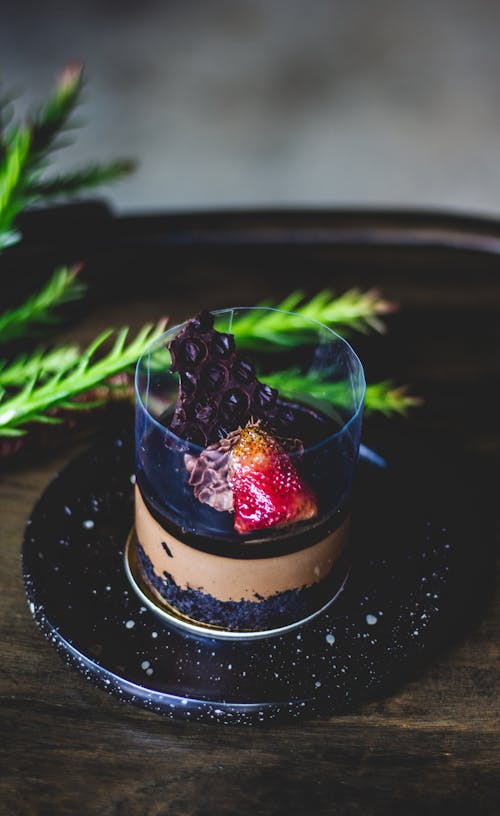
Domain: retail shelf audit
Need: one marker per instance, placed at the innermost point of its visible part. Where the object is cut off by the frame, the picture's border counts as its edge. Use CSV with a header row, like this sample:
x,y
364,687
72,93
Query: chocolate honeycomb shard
x,y
218,388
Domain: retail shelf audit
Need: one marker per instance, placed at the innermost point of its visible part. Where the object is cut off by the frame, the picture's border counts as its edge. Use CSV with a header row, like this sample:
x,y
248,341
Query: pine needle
x,y
33,402
39,363
387,398
93,175
13,171
383,397
53,117
41,308
354,310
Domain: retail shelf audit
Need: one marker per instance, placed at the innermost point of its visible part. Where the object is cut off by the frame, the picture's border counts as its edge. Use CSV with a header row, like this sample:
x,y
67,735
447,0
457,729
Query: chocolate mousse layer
x,y
235,592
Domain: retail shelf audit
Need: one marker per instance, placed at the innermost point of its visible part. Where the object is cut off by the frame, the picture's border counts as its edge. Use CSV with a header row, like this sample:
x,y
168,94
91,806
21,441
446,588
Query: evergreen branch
x,y
354,310
12,193
382,397
36,399
53,117
39,363
40,308
25,150
94,175
386,398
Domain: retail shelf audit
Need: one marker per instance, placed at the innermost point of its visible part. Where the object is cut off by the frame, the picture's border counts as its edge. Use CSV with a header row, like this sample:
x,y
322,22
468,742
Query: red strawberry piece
x,y
267,489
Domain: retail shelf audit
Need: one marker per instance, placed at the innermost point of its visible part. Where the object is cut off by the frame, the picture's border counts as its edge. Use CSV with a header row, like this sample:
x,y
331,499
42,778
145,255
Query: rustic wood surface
x,y
432,745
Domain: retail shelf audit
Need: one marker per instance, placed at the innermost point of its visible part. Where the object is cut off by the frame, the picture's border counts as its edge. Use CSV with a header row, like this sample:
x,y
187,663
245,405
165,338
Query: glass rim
x,y
217,312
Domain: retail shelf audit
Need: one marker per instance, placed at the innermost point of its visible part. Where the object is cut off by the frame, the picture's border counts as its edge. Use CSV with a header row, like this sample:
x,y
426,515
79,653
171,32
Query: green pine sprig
x,y
94,175
36,400
41,308
40,363
52,118
26,150
387,398
383,397
352,311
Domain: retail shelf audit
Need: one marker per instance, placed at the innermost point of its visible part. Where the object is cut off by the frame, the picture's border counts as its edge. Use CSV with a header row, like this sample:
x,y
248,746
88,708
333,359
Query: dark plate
x,y
420,567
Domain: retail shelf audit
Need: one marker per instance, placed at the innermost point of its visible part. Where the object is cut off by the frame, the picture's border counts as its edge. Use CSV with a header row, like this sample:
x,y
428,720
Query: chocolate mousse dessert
x,y
235,527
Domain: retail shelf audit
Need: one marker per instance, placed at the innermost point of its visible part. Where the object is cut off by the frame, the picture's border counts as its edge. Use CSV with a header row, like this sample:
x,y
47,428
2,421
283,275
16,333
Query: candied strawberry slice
x,y
267,488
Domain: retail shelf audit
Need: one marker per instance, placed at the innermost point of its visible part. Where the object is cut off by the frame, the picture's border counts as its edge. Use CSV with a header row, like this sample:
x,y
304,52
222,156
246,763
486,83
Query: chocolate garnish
x,y
218,388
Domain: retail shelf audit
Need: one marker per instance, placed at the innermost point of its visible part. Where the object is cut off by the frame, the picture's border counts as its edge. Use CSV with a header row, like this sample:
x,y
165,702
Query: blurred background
x,y
256,103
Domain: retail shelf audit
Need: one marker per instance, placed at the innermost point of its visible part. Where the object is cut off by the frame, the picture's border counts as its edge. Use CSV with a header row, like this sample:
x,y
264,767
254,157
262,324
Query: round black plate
x,y
418,569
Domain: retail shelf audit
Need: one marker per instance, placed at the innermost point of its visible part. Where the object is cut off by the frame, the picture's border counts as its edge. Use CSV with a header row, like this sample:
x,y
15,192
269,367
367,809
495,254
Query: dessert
x,y
242,493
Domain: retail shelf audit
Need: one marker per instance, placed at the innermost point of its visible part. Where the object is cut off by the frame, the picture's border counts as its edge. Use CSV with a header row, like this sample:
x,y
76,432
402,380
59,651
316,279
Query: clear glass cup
x,y
321,388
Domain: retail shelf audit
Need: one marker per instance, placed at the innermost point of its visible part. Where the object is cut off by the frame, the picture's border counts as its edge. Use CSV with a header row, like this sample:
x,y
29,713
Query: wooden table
x,y
433,743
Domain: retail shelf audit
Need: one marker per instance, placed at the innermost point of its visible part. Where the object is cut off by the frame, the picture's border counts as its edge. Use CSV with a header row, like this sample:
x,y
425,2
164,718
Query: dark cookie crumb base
x,y
279,610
